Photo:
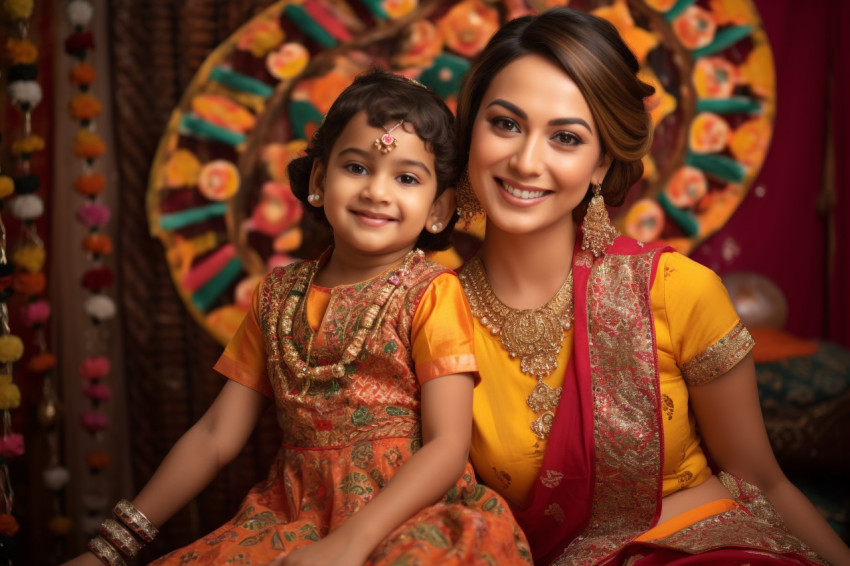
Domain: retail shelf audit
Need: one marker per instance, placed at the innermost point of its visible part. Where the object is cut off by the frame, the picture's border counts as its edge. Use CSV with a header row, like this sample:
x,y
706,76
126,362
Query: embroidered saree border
x,y
626,398
720,357
756,526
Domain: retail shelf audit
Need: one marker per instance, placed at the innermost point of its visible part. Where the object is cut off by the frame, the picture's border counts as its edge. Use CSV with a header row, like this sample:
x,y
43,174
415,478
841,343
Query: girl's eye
x,y
504,123
567,138
356,169
406,179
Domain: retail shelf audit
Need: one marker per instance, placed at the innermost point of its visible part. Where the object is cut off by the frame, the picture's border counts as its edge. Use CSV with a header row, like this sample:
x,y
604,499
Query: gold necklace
x,y
532,335
370,323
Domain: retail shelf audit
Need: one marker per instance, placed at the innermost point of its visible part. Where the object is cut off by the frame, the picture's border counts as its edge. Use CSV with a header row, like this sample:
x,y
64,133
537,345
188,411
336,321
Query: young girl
x,y
366,353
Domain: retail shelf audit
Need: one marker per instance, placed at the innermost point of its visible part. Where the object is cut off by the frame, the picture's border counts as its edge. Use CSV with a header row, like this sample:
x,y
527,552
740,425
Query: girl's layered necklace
x,y
369,323
532,335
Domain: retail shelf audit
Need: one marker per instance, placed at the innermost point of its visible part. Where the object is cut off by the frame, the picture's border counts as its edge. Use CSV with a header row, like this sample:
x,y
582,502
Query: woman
x,y
610,369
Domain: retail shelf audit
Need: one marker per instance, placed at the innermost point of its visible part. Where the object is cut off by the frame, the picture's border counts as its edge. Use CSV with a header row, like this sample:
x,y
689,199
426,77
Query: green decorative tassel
x,y
677,9
718,165
302,113
726,37
446,64
308,25
686,221
376,7
177,220
731,105
206,296
208,130
238,81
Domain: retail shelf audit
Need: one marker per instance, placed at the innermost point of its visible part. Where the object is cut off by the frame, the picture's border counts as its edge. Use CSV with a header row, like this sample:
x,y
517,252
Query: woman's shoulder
x,y
682,275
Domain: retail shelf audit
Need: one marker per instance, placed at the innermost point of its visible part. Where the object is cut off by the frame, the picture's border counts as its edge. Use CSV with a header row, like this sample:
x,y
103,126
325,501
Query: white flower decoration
x,y
99,307
25,93
79,12
27,207
56,478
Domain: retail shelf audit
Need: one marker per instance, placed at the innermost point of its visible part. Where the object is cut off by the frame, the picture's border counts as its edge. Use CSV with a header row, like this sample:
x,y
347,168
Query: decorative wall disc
x,y
218,195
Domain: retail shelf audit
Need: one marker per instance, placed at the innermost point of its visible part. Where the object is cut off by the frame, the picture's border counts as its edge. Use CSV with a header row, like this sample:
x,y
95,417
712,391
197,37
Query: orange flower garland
x,y
84,107
24,275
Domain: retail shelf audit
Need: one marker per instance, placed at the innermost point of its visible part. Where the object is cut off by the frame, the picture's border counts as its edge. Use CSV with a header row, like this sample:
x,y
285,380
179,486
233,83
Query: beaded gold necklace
x,y
370,323
532,335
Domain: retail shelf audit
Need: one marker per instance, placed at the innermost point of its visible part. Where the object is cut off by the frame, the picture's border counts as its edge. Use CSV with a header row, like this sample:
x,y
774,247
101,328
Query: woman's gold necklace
x,y
532,335
370,322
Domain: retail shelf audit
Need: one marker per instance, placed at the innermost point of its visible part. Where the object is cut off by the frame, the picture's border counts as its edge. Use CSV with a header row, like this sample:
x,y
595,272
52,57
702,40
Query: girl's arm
x,y
197,457
421,481
729,416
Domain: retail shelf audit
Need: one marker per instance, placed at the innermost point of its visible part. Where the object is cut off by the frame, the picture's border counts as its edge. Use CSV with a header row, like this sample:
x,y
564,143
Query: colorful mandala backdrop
x,y
218,196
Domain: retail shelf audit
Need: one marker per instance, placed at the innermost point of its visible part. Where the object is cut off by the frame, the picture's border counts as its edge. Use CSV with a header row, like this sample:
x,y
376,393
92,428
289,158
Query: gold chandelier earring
x,y
468,206
597,228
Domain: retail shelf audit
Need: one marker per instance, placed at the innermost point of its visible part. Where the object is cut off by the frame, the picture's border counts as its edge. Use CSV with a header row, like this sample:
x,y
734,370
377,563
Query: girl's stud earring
x,y
436,227
314,198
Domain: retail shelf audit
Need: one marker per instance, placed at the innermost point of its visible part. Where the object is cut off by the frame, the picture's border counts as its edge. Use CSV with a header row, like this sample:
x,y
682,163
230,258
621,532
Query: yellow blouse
x,y
692,313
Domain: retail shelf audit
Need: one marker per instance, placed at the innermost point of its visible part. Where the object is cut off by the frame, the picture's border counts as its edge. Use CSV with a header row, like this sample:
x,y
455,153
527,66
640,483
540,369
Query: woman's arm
x,y
729,417
197,457
421,481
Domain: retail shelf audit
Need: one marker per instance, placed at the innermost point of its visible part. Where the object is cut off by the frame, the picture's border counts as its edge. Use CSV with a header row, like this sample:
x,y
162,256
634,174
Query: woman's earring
x,y
468,206
436,227
314,199
597,228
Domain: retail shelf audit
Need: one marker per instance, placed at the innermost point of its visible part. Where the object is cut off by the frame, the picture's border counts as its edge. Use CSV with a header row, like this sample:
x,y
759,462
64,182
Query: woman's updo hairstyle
x,y
591,52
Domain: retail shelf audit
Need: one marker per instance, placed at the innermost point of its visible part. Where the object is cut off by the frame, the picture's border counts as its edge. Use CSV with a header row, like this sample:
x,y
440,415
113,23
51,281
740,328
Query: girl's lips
x,y
521,195
372,218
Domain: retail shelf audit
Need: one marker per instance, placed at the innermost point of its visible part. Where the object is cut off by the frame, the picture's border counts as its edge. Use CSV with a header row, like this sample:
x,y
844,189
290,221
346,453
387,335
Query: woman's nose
x,y
528,159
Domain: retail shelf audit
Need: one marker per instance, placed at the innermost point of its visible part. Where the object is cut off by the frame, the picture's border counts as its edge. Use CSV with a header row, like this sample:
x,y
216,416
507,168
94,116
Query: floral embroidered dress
x,y
345,437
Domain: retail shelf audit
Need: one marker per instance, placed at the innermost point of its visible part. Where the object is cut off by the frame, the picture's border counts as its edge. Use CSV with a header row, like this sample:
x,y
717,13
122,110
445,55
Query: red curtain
x,y
792,227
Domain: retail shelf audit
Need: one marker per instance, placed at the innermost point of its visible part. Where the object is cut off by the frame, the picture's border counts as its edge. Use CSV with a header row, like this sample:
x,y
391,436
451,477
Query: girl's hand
x,y
337,549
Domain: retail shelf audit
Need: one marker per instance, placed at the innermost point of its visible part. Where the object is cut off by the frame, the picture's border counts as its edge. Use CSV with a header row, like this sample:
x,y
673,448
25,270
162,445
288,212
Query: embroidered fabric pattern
x,y
626,401
744,529
306,414
720,357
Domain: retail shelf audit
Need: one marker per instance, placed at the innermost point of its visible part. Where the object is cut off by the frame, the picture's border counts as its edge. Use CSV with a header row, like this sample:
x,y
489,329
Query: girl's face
x,y
534,148
376,203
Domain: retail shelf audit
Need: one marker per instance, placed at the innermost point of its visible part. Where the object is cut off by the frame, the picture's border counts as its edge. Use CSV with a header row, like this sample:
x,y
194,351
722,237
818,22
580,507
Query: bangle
x,y
118,536
136,520
105,552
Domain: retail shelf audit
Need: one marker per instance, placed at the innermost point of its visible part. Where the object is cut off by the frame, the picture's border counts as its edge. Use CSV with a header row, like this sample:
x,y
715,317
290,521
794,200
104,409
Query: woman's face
x,y
534,148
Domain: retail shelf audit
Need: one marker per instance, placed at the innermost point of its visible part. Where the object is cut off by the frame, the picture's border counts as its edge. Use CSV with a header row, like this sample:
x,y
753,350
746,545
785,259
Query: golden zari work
x,y
532,335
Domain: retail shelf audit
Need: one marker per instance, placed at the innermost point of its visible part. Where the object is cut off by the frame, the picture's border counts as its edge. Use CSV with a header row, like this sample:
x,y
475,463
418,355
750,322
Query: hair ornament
x,y
387,142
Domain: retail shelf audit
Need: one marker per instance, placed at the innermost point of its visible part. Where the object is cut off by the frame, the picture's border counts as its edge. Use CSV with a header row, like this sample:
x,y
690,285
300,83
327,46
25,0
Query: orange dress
x,y
344,438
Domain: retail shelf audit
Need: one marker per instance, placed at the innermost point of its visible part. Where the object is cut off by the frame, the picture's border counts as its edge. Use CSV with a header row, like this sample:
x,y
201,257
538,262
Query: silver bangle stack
x,y
124,538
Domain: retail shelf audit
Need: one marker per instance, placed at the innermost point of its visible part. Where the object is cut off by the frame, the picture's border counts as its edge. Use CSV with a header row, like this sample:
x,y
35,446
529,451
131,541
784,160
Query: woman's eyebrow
x,y
555,122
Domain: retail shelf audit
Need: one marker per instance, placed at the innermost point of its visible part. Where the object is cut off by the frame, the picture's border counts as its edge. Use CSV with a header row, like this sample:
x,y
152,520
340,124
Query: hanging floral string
x,y
25,272
93,214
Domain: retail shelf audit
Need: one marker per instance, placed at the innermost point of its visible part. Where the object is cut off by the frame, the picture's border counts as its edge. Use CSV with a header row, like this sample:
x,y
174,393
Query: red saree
x,y
600,484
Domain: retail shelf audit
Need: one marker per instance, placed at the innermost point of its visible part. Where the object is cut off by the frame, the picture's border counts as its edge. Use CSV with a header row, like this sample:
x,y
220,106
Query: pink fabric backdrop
x,y
780,229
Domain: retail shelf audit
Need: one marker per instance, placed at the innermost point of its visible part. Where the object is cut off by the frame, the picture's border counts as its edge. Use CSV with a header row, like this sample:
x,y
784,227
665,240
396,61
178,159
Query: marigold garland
x,y
21,51
90,184
84,107
82,75
28,258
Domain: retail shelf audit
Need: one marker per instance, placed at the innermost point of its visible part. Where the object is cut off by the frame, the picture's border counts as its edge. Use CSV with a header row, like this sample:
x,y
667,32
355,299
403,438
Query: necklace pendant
x,y
542,426
543,398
